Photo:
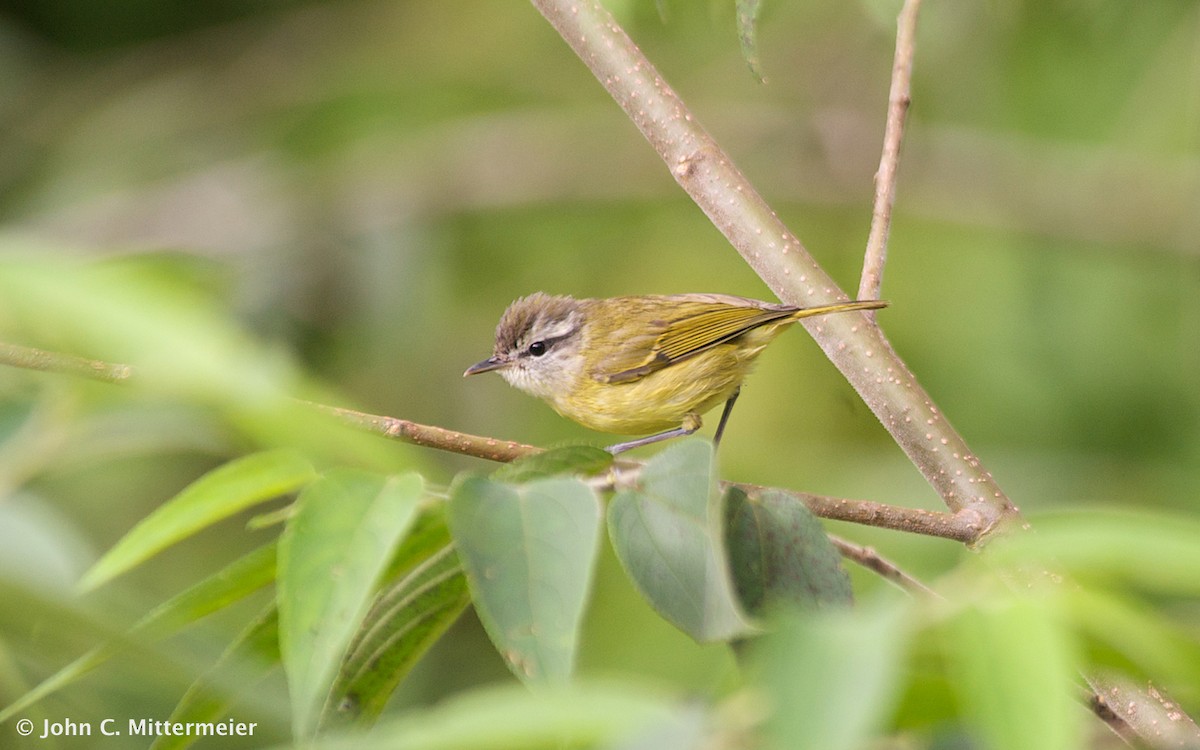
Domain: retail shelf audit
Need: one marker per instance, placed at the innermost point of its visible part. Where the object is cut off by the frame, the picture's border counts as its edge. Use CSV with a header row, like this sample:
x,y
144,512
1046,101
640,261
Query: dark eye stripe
x,y
542,346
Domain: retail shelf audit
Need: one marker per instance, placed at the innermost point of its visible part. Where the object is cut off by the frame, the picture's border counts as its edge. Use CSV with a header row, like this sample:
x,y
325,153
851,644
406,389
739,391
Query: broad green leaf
x,y
331,554
237,580
217,495
425,594
246,662
668,536
581,460
529,551
830,675
779,554
511,716
1015,670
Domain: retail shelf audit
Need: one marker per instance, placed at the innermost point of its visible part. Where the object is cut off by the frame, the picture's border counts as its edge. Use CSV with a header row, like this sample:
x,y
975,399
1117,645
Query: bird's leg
x,y
691,423
725,417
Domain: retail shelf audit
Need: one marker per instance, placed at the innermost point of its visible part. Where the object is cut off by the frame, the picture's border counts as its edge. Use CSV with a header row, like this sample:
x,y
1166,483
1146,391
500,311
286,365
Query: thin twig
x,y
888,570
899,98
963,527
852,342
430,436
37,359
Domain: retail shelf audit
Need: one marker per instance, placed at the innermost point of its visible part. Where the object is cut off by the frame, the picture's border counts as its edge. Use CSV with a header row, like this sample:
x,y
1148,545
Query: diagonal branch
x,y
1142,716
852,342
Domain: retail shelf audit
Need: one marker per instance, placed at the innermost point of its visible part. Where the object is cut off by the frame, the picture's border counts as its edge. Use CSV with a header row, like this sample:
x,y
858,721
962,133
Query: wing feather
x,y
701,326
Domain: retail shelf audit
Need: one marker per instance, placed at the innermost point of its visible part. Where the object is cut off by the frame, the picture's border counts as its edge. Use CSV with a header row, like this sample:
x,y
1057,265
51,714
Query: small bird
x,y
644,365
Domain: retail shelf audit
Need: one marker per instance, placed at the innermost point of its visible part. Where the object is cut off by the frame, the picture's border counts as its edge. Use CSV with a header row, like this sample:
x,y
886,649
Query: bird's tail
x,y
861,304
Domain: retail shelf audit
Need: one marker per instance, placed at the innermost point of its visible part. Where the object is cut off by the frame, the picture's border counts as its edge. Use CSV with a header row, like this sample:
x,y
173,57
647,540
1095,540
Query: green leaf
x,y
247,660
331,554
1139,632
529,552
411,612
580,460
218,494
1158,551
237,580
1015,667
747,23
779,554
831,675
511,716
668,536
234,582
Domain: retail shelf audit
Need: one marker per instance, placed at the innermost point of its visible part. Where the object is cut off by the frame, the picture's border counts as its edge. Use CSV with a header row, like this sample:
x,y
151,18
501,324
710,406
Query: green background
x,y
364,186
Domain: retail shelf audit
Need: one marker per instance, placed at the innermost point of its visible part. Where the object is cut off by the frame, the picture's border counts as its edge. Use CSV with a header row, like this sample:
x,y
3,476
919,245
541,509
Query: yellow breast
x,y
662,399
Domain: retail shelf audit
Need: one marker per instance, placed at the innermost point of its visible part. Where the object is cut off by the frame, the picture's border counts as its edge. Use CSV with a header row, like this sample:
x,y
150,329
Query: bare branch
x,y
964,526
429,436
852,342
68,364
873,561
899,98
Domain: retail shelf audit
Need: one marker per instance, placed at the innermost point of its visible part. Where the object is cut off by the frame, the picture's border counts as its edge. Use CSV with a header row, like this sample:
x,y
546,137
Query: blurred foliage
x,y
336,200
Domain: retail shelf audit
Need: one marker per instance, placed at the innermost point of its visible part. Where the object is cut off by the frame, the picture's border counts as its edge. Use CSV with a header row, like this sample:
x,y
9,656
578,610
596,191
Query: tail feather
x,y
862,304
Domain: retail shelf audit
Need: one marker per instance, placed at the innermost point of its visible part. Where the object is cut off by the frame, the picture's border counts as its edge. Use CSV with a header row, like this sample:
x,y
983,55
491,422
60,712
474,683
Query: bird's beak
x,y
487,365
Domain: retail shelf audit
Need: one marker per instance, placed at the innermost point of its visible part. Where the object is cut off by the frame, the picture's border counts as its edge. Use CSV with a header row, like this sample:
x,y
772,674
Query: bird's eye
x,y
538,348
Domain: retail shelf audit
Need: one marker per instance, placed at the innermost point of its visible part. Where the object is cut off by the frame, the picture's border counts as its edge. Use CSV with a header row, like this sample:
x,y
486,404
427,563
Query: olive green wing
x,y
694,329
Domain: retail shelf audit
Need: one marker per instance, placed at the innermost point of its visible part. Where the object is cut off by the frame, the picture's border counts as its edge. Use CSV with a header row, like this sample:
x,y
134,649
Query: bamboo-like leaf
x,y
253,655
332,552
529,552
780,555
237,580
426,594
511,716
669,538
217,495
